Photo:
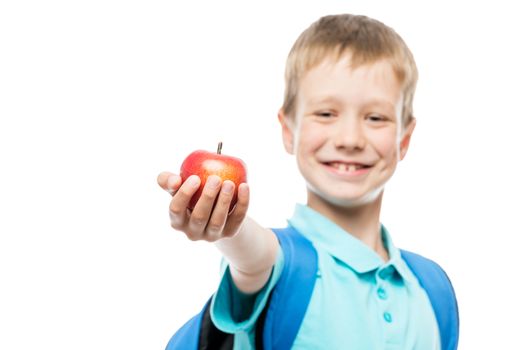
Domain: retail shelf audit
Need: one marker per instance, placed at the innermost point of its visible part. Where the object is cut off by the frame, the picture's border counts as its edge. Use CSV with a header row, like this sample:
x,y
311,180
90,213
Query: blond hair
x,y
366,39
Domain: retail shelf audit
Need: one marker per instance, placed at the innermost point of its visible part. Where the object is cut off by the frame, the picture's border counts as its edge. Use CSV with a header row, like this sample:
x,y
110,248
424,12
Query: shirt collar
x,y
344,246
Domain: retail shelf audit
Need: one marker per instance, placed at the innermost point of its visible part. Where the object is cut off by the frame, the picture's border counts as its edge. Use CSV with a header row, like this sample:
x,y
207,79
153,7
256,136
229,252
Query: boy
x,y
347,118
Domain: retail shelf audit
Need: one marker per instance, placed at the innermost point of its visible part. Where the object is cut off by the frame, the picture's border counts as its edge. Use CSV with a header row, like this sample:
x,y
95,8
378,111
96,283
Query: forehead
x,y
337,80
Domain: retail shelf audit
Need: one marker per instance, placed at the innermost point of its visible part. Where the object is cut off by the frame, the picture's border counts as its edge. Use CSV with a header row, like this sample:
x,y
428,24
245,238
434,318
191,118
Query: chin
x,y
349,201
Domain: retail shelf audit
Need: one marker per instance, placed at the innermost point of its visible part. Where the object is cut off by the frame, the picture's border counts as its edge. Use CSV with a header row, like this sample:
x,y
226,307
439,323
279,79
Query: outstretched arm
x,y
250,249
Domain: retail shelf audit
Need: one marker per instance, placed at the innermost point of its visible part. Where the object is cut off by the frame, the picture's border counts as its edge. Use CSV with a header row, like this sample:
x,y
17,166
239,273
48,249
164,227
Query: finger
x,y
162,179
178,220
238,214
202,211
173,184
180,201
169,181
220,211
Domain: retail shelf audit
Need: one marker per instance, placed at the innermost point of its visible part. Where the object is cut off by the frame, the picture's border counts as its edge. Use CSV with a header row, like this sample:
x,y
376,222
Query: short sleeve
x,y
233,311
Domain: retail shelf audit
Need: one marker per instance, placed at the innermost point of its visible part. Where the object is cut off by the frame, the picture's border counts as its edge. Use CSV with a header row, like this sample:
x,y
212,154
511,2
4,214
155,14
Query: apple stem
x,y
219,150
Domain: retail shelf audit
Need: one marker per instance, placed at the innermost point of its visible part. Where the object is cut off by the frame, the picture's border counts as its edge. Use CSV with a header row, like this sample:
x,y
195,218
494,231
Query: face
x,y
347,135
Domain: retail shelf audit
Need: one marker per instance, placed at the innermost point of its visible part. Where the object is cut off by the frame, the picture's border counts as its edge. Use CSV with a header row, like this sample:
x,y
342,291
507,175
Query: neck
x,y
362,221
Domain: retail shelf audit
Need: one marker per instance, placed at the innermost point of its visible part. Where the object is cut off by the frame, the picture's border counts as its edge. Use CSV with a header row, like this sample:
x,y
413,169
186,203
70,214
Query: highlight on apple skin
x,y
204,164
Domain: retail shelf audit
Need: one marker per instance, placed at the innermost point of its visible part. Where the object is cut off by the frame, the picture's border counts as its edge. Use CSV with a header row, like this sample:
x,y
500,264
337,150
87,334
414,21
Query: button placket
x,y
383,276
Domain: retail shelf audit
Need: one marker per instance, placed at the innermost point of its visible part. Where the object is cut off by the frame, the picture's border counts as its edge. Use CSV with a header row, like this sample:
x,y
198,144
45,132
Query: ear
x,y
406,137
287,131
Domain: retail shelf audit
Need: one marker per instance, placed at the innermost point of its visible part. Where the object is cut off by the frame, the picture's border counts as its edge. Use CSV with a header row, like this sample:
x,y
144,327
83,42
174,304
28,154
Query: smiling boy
x,y
344,135
347,118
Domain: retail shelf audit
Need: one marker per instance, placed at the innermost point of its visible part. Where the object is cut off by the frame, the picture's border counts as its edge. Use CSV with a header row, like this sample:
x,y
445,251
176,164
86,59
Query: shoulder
x,y
434,280
430,274
298,251
422,265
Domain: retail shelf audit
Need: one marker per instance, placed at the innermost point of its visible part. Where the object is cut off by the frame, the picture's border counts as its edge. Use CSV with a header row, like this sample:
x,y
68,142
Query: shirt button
x,y
382,294
387,317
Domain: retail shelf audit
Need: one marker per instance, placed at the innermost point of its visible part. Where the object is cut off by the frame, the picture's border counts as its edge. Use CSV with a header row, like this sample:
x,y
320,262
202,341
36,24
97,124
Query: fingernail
x,y
213,181
193,180
171,182
228,187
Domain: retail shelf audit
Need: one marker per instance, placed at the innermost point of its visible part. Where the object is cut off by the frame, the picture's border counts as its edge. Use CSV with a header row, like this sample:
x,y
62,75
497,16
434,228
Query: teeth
x,y
346,167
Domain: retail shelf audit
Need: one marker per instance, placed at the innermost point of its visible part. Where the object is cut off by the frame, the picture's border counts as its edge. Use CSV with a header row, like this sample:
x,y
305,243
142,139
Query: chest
x,y
373,310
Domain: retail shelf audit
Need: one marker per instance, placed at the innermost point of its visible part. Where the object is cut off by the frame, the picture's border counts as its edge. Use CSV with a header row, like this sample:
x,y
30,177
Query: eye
x,y
325,114
376,118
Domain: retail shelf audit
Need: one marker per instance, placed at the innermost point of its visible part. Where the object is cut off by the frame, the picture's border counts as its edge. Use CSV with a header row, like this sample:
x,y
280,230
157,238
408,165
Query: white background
x,y
98,97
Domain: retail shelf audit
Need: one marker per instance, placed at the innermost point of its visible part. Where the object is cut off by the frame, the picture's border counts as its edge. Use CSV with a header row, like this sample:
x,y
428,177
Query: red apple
x,y
204,164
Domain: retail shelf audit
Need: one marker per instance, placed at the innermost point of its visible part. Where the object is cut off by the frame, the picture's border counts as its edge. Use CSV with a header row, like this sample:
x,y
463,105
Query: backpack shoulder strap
x,y
441,295
199,333
290,297
187,336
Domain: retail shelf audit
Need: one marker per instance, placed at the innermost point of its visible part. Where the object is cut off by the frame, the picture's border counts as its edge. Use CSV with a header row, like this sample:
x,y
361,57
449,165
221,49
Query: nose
x,y
349,134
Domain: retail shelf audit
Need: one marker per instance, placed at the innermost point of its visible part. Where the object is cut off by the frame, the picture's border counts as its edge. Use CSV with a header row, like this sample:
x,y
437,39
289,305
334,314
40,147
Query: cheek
x,y
308,138
385,144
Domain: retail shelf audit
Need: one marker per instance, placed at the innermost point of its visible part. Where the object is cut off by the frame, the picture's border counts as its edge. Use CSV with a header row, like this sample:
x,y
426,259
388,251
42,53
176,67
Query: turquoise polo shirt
x,y
358,302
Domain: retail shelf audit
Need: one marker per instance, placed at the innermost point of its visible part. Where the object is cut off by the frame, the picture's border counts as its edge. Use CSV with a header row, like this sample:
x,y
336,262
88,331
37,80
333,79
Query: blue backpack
x,y
280,321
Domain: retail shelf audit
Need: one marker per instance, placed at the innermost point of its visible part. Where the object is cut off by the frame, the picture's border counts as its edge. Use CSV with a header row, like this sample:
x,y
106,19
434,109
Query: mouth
x,y
347,167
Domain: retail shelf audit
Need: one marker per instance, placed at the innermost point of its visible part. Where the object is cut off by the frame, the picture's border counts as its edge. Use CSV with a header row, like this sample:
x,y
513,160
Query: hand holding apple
x,y
204,164
206,187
